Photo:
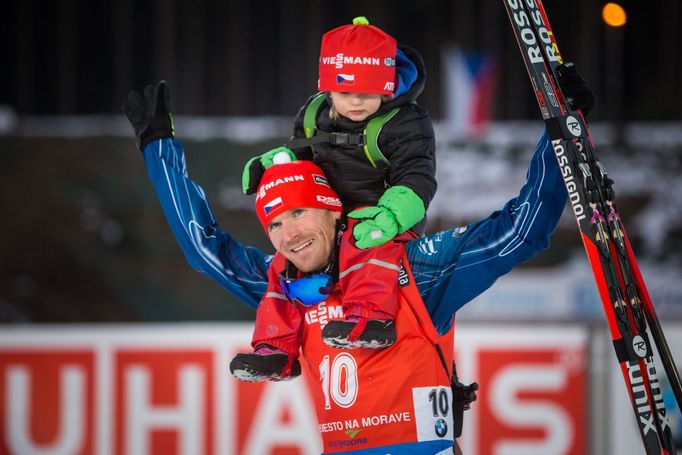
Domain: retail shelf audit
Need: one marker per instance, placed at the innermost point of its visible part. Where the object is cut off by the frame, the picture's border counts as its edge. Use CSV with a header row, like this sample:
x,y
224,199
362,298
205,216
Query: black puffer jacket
x,y
406,140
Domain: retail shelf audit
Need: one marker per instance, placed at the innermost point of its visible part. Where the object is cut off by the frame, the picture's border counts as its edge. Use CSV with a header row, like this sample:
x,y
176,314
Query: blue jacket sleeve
x,y
452,267
242,270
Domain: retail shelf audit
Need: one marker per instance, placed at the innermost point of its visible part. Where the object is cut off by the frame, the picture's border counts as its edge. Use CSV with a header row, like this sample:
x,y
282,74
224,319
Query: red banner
x,y
167,390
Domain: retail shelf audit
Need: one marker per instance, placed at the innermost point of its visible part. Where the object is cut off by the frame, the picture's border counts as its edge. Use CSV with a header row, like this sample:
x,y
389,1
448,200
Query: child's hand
x,y
397,210
377,226
256,166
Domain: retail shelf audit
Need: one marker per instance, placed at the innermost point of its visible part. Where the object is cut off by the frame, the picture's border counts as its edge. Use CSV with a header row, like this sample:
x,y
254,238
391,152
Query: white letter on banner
x,y
18,399
187,417
267,429
531,413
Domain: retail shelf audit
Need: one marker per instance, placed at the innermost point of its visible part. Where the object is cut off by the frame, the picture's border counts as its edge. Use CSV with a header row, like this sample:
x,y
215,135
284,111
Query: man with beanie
x,y
396,385
376,146
290,202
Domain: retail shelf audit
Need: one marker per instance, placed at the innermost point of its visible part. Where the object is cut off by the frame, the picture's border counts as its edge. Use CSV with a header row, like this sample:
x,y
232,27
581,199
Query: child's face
x,y
356,106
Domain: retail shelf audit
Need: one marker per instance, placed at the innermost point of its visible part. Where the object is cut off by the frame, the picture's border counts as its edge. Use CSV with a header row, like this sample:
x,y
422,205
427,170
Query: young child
x,y
385,185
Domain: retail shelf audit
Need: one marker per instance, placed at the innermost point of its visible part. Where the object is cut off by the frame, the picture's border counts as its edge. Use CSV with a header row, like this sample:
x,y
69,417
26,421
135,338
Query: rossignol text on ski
x,y
627,305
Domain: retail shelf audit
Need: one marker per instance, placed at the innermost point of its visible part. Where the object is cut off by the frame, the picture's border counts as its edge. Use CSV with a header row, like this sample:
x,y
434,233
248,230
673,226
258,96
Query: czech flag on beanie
x,y
357,58
297,185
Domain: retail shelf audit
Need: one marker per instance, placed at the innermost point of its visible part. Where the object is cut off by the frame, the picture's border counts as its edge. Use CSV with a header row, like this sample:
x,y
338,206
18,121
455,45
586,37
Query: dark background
x,y
83,237
260,57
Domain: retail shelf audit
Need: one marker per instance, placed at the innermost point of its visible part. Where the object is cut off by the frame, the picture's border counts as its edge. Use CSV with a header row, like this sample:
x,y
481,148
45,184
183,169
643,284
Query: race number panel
x,y
433,412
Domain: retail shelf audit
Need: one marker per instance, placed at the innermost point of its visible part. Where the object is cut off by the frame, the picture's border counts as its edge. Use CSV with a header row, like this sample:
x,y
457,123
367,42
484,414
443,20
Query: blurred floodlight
x,y
614,15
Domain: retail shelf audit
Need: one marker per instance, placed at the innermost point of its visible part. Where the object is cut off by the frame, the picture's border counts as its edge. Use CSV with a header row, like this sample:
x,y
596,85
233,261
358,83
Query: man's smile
x,y
301,247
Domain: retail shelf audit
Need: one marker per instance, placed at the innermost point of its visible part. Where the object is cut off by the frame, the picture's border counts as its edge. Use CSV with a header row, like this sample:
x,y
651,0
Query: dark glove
x,y
465,394
575,88
150,116
462,397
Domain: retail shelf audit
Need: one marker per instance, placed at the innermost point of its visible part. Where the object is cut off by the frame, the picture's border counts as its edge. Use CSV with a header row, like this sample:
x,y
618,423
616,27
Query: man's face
x,y
356,106
304,236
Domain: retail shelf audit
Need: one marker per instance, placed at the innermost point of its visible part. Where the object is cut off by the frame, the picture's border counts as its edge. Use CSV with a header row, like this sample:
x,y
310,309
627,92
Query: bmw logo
x,y
441,428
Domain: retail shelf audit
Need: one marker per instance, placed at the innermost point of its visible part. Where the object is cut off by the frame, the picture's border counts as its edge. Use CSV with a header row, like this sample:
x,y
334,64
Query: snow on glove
x,y
398,210
150,116
575,89
256,166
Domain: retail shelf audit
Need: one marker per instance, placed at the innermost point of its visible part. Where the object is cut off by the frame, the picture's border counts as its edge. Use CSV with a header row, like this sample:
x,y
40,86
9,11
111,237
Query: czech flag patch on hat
x,y
345,79
296,185
272,205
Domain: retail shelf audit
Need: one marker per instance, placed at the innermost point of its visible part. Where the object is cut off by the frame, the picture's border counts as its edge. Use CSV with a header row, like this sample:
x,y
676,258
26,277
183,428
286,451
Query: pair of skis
x,y
628,307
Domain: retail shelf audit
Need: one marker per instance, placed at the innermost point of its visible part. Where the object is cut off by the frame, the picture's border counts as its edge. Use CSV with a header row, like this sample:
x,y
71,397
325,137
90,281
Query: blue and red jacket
x,y
450,268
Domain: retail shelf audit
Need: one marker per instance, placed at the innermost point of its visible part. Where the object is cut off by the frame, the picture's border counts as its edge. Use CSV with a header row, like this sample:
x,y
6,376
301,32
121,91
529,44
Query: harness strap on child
x,y
368,140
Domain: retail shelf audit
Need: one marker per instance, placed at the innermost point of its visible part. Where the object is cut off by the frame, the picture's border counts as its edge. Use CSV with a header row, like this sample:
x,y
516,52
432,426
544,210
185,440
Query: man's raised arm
x,y
452,267
240,269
